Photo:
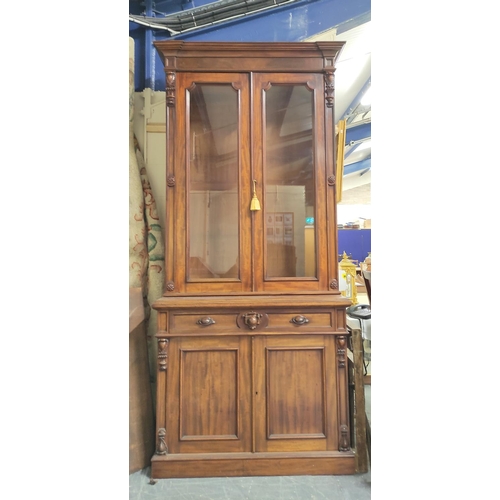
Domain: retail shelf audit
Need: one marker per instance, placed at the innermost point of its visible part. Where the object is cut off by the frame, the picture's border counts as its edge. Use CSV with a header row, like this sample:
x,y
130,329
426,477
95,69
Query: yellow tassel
x,y
255,203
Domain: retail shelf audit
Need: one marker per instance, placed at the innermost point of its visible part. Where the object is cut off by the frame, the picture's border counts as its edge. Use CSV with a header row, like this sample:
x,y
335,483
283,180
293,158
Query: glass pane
x,y
289,179
213,182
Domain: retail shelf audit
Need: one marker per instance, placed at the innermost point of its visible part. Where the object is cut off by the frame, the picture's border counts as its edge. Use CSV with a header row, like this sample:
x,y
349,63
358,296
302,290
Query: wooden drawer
x,y
202,322
191,314
292,321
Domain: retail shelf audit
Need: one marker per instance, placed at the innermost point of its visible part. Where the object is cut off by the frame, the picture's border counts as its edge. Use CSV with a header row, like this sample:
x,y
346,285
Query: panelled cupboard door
x,y
212,184
208,394
295,398
227,146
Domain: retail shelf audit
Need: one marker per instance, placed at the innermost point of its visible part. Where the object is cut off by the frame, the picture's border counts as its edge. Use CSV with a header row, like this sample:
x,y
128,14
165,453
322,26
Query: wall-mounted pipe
x,y
208,15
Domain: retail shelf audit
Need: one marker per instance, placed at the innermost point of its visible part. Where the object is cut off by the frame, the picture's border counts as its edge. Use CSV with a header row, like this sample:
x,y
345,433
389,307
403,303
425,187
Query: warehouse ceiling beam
x,y
285,22
358,133
363,165
357,105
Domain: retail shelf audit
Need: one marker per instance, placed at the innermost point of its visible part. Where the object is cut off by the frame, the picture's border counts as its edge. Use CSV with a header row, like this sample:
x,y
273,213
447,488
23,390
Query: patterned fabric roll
x,y
146,244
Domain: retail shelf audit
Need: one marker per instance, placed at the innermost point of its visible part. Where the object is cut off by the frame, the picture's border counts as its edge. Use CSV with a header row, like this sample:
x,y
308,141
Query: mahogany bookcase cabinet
x,y
252,354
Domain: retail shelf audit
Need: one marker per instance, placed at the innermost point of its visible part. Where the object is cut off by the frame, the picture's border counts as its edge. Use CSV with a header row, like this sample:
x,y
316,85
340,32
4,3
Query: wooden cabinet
x,y
252,334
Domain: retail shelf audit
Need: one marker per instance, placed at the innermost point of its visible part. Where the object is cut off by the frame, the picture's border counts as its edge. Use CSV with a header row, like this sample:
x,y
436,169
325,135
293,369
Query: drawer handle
x,y
206,321
299,320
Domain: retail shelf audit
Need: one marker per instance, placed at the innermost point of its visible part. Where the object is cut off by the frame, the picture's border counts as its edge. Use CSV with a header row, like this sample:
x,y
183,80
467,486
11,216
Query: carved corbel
x,y
341,351
170,88
162,354
344,438
329,88
161,446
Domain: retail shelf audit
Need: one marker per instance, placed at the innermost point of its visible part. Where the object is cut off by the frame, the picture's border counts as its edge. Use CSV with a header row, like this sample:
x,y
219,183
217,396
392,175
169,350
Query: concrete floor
x,y
355,487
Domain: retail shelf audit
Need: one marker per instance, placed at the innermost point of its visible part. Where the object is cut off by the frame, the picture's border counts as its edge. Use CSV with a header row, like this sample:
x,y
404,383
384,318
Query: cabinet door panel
x,y
295,400
209,380
295,392
289,161
212,175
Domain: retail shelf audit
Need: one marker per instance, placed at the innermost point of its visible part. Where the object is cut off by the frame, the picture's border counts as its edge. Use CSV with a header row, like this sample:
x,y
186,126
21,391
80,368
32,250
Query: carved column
x,y
330,164
161,445
171,99
342,361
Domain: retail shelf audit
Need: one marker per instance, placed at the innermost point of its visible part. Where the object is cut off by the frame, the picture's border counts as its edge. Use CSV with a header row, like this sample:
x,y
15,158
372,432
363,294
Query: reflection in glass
x,y
213,182
289,182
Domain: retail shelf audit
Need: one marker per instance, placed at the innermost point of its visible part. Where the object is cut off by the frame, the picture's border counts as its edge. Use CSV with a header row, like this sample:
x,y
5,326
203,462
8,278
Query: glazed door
x,y
226,145
212,170
289,167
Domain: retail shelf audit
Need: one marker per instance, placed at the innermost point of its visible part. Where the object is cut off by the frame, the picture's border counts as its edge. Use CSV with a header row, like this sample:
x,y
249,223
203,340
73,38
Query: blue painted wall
x,y
356,243
291,23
